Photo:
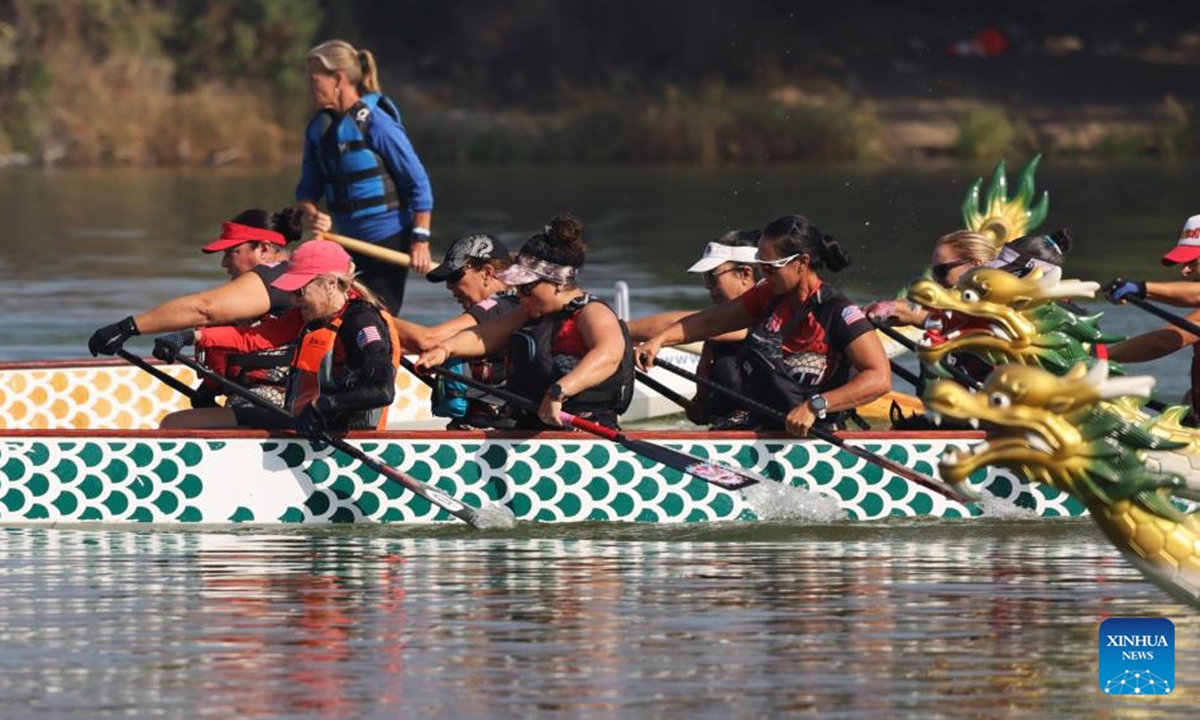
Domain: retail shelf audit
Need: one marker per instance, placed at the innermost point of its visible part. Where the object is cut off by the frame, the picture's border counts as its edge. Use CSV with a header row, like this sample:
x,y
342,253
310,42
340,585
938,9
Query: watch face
x,y
817,402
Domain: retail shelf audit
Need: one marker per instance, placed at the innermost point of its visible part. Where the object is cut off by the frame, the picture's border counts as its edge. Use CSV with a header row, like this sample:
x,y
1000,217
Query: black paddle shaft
x,y
1178,321
164,378
769,412
706,470
459,510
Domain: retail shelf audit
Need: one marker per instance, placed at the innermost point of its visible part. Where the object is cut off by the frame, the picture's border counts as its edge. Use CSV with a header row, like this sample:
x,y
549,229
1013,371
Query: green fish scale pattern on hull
x,y
280,480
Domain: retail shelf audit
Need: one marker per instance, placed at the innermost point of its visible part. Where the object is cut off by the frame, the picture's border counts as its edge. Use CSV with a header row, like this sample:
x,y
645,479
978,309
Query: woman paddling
x,y
805,336
567,350
1185,293
728,270
471,271
343,373
253,247
357,156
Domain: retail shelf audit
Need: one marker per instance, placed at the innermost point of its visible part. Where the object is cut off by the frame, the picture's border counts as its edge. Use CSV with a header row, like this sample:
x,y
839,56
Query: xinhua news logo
x,y
1137,656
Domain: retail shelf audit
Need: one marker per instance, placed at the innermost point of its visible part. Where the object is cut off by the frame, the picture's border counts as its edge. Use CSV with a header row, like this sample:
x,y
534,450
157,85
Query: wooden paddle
x,y
370,249
706,470
892,466
490,515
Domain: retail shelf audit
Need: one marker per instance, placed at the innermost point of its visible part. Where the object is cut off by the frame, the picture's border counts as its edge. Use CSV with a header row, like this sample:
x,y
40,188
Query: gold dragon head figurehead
x,y
990,309
1034,419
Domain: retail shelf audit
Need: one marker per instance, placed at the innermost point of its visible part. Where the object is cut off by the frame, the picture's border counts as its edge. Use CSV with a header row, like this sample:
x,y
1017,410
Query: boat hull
x,y
252,477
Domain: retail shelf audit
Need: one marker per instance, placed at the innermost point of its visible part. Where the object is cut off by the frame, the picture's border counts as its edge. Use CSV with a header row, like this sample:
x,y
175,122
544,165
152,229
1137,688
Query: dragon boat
x,y
140,476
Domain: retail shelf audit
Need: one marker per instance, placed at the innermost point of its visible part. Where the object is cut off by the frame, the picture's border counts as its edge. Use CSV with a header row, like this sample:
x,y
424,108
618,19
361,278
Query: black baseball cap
x,y
479,246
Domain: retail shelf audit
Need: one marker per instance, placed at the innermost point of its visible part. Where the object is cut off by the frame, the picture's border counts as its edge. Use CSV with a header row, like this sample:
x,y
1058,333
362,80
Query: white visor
x,y
716,253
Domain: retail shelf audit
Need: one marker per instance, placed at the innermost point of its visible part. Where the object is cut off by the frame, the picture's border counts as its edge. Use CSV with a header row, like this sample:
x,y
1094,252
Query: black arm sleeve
x,y
368,347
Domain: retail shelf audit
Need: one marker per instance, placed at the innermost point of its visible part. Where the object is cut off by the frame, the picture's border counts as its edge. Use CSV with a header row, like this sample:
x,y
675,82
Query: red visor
x,y
234,234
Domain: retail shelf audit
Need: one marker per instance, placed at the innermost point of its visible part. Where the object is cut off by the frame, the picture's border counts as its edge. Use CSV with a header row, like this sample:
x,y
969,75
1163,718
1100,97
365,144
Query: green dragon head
x,y
1064,432
1003,318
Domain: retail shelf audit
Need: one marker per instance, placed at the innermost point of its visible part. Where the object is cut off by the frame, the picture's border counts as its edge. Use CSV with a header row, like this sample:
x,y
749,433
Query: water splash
x,y
777,501
991,506
494,517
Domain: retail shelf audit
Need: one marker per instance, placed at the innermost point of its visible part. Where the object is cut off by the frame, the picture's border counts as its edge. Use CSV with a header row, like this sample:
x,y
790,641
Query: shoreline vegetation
x,y
195,83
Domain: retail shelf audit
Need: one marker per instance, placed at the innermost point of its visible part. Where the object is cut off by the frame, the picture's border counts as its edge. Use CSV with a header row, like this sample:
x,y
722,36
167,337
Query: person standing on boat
x,y
343,372
471,271
728,270
805,336
357,156
253,247
1181,293
567,350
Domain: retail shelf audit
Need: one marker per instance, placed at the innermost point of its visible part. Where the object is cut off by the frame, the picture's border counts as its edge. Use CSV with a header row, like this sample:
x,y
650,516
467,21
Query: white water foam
x,y
991,506
777,501
494,517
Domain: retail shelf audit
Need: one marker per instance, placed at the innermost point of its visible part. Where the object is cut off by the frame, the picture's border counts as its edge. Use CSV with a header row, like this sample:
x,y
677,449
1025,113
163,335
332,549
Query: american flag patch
x,y
368,335
851,314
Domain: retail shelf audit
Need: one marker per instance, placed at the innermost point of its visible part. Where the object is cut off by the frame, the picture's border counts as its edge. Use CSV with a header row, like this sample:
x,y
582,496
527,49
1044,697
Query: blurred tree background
x,y
219,81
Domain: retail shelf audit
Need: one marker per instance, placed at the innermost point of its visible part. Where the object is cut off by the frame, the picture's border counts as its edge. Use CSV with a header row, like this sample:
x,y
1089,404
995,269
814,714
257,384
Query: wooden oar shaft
x,y
463,512
769,412
370,249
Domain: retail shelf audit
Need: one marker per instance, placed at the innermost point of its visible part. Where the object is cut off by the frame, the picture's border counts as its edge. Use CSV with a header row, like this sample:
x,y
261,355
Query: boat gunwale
x,y
501,435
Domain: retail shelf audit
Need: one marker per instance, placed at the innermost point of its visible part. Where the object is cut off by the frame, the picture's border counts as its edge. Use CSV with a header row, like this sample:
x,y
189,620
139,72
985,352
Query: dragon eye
x,y
999,400
970,296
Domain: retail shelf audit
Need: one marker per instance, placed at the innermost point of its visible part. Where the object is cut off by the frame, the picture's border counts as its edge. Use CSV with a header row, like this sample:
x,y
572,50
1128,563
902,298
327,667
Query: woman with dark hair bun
x,y
805,336
566,348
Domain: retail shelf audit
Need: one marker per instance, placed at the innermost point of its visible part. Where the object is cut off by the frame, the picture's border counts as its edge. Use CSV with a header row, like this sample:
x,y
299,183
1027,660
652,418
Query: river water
x,y
899,618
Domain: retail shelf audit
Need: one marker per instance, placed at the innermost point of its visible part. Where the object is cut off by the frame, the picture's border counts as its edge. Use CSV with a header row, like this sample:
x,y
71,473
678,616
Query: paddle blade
x,y
718,475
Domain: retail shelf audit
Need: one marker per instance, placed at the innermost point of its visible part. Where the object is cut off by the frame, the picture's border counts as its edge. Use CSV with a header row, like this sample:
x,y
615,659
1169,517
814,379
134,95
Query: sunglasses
x,y
941,271
776,264
456,277
527,289
710,276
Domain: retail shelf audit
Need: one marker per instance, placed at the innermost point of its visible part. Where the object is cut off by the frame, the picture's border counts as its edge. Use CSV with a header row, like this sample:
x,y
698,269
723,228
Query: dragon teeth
x,y
1001,333
1037,442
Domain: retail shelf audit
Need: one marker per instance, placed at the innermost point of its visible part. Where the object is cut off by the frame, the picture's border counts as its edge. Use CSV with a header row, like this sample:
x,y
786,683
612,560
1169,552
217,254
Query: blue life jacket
x,y
357,183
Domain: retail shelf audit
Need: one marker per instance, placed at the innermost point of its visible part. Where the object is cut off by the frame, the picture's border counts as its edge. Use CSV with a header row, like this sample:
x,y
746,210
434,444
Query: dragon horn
x,y
970,208
1025,194
1109,388
998,192
1069,288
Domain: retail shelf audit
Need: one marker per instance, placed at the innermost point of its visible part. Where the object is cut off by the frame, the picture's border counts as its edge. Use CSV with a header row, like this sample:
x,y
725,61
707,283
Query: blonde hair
x,y
358,65
970,245
349,281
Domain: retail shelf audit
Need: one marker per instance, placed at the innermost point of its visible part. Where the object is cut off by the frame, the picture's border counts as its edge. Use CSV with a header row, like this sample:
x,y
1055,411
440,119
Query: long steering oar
x,y
171,382
921,479
708,470
488,516
369,249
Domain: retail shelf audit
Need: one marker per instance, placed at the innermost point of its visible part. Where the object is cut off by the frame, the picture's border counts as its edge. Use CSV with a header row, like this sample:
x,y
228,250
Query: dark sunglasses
x,y
456,277
942,270
710,276
527,289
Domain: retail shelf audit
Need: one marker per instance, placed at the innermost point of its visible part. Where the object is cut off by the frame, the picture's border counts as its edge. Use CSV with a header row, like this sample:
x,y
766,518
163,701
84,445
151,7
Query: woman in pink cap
x,y
342,374
253,247
567,350
1181,293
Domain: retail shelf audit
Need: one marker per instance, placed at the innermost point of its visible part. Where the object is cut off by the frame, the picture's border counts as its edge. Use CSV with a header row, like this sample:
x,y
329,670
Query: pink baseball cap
x,y
1188,247
313,258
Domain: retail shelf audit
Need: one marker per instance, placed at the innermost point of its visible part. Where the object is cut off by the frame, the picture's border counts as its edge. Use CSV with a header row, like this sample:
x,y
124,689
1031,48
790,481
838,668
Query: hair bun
x,y
834,257
564,229
1062,238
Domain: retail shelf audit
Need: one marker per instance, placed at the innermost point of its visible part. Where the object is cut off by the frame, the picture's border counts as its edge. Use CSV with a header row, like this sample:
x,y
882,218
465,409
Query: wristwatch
x,y
818,404
556,393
